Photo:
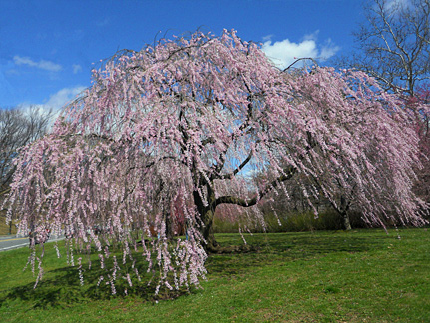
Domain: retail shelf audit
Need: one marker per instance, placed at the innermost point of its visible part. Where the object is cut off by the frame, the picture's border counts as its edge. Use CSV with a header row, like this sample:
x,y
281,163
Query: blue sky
x,y
48,48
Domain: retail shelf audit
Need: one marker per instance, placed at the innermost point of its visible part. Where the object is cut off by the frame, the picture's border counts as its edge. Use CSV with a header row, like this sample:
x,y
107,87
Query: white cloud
x,y
61,98
329,49
396,4
43,65
268,37
283,53
313,36
56,101
77,68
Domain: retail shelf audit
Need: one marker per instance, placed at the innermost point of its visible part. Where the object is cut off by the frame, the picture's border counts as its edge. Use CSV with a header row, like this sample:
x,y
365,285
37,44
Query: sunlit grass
x,y
323,276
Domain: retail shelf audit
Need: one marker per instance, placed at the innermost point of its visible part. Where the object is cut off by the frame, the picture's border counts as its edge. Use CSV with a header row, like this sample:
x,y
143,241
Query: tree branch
x,y
288,173
238,169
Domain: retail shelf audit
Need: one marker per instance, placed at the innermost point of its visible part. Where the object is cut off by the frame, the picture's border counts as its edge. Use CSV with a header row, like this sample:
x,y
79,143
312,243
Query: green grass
x,y
321,276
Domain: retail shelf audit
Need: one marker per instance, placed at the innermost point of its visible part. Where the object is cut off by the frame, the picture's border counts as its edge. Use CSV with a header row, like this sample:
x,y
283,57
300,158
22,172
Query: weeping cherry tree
x,y
173,130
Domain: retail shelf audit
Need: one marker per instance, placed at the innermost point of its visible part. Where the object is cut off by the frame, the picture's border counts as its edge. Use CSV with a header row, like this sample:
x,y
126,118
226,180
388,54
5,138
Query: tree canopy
x,y
173,131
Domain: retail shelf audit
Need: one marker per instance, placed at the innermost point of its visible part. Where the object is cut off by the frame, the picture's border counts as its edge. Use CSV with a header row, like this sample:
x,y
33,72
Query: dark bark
x,y
169,225
346,222
344,206
207,215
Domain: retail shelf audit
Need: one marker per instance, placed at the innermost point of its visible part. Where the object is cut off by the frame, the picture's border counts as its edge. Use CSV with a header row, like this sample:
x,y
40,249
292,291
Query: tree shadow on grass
x,y
266,248
60,288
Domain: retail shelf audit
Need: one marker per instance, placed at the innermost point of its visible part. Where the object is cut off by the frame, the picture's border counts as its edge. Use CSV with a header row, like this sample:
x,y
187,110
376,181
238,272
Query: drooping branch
x,y
238,169
288,173
298,60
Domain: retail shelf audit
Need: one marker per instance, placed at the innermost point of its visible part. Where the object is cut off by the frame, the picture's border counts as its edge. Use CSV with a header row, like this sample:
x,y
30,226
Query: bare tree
x,y
18,127
394,44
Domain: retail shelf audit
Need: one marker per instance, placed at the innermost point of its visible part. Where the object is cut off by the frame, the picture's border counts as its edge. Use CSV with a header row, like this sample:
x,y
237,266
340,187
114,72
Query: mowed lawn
x,y
321,276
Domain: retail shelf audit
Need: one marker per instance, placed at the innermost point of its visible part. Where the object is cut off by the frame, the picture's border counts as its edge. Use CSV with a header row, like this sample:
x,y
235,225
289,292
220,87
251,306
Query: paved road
x,y
12,242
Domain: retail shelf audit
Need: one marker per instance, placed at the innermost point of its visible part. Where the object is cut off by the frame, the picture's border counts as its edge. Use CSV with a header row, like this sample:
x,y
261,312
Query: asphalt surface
x,y
13,242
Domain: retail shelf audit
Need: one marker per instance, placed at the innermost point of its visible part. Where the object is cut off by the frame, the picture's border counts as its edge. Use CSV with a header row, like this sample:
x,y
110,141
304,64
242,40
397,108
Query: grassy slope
x,y
357,276
4,228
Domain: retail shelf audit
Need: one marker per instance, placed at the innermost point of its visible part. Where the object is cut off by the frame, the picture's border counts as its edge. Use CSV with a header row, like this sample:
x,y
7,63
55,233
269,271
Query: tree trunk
x,y
346,223
169,225
344,206
207,213
207,216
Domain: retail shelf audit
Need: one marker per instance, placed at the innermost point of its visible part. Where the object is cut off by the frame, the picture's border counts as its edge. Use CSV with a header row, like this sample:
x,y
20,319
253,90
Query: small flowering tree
x,y
174,129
